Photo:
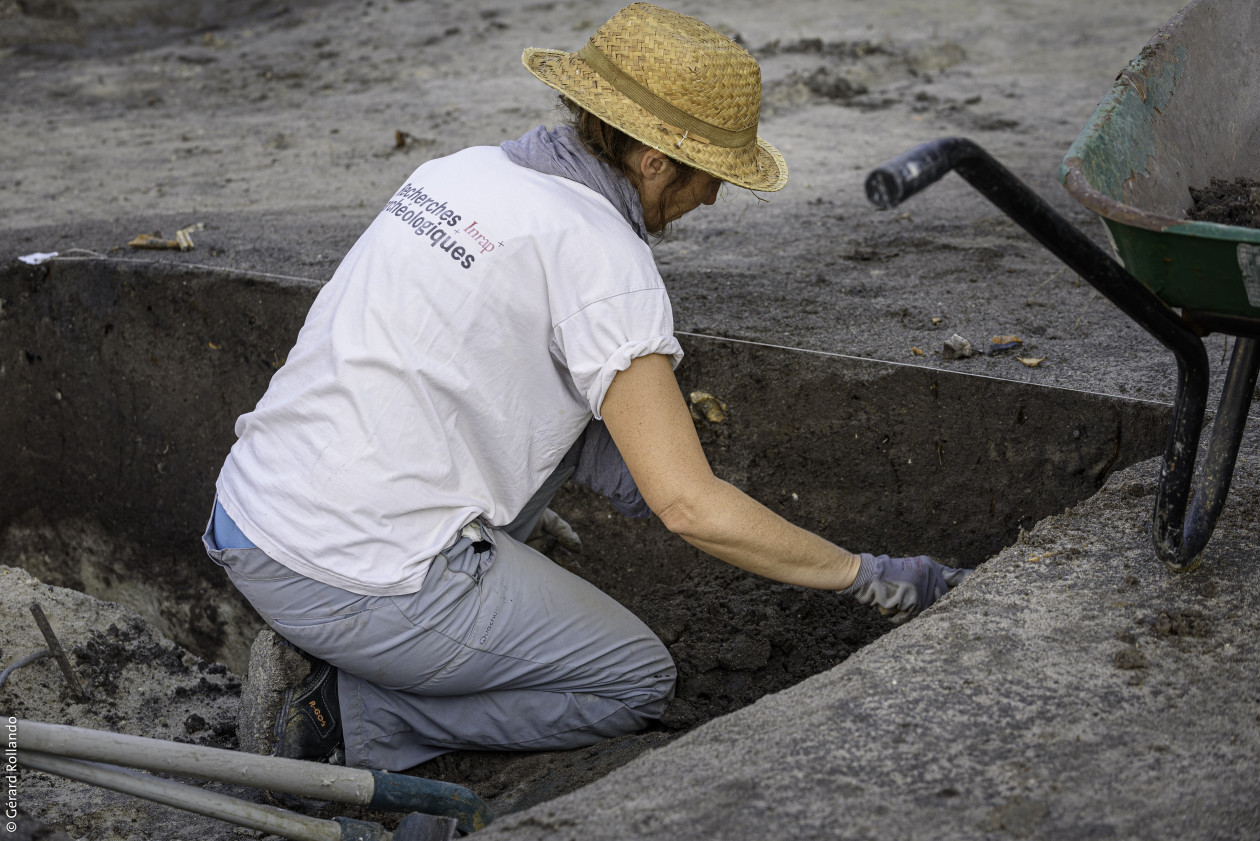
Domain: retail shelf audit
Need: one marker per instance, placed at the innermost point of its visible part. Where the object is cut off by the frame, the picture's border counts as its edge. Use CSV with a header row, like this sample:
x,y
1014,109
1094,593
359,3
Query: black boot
x,y
289,707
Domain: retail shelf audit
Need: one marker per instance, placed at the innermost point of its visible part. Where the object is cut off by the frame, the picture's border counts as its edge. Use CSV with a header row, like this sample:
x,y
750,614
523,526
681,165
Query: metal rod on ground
x,y
54,645
210,803
374,789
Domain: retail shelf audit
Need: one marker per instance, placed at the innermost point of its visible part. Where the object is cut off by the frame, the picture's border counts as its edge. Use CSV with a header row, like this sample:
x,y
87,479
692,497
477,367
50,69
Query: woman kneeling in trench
x,y
501,327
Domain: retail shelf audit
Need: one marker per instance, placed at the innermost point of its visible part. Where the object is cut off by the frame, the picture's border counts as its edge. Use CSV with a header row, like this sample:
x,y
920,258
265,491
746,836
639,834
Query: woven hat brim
x,y
760,167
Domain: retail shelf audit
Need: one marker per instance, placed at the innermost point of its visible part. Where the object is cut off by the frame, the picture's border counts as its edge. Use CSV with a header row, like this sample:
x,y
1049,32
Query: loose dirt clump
x,y
1129,658
1180,623
1226,202
111,659
102,658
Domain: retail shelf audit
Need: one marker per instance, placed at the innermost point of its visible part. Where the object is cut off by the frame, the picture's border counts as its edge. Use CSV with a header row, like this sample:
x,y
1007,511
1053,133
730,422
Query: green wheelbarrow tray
x,y
1185,111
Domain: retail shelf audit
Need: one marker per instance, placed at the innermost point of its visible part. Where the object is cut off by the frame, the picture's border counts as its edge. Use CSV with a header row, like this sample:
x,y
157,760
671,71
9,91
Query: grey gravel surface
x,y
1072,689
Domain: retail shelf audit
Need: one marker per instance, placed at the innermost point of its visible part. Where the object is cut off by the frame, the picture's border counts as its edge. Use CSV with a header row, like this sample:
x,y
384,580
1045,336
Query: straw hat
x,y
674,83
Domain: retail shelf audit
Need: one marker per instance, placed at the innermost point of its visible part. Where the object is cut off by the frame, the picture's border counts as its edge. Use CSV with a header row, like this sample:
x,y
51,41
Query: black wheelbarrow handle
x,y
917,169
1178,539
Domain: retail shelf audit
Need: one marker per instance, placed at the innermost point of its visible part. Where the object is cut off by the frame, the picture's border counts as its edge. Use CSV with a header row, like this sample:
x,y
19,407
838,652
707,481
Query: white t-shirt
x,y
455,356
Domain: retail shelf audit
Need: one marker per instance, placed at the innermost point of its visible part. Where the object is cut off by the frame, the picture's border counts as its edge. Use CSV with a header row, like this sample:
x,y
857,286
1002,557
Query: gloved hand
x,y
549,531
902,587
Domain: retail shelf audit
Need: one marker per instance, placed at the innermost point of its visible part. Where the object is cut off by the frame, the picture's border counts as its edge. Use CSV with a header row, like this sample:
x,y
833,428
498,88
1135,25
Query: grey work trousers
x,y
499,649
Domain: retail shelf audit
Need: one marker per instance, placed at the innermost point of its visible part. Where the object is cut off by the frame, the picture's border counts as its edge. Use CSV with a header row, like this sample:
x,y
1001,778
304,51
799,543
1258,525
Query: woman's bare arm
x,y
651,425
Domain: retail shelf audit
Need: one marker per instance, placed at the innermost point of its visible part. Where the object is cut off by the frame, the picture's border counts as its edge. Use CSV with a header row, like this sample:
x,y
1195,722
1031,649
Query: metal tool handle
x,y
374,789
213,804
1178,539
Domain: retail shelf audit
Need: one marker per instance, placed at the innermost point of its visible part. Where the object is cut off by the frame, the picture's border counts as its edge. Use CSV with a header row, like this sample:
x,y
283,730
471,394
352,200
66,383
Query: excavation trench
x,y
123,380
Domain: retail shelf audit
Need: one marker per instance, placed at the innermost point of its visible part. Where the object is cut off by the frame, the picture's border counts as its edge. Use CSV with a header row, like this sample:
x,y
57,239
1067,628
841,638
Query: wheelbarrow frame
x,y
1179,537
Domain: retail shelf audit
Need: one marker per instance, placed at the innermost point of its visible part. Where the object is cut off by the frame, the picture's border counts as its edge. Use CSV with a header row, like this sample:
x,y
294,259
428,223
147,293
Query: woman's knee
x,y
656,682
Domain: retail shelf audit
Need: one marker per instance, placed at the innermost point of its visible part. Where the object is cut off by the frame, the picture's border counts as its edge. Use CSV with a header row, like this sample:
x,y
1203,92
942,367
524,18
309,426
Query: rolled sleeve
x,y
620,361
605,337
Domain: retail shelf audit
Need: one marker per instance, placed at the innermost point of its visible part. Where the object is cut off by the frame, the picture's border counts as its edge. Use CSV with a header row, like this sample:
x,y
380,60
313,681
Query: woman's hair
x,y
615,148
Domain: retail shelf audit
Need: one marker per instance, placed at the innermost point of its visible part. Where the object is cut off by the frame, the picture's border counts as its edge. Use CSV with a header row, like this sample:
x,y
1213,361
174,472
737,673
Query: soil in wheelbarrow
x,y
1227,202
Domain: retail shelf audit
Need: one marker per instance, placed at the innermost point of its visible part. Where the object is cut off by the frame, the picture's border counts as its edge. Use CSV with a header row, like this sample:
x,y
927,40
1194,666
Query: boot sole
x,y
275,668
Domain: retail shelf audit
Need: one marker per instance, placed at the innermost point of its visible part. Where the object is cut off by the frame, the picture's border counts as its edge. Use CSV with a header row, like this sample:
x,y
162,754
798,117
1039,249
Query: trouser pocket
x,y
451,592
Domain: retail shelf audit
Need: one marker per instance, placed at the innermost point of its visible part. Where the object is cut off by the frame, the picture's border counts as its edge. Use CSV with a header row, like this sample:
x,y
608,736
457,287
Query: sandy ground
x,y
276,126
278,129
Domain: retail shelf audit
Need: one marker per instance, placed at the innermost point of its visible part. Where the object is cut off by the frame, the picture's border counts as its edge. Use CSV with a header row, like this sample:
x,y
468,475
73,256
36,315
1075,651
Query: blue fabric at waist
x,y
226,533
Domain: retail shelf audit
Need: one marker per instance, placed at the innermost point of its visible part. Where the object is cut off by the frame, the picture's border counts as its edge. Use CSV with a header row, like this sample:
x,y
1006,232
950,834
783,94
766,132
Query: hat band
x,y
669,114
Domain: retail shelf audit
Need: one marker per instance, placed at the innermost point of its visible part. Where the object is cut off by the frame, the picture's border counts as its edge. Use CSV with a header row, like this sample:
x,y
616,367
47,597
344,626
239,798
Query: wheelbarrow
x,y
1186,110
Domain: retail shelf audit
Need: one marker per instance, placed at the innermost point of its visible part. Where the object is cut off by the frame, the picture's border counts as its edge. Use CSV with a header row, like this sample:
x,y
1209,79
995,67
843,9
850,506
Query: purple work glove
x,y
902,587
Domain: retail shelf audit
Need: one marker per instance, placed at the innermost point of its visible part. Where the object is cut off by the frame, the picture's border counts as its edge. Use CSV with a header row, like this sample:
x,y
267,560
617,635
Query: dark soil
x,y
735,637
102,659
1225,202
113,660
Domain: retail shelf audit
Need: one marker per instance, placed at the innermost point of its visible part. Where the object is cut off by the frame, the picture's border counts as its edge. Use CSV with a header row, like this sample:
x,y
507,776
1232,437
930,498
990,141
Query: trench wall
x,y
122,382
